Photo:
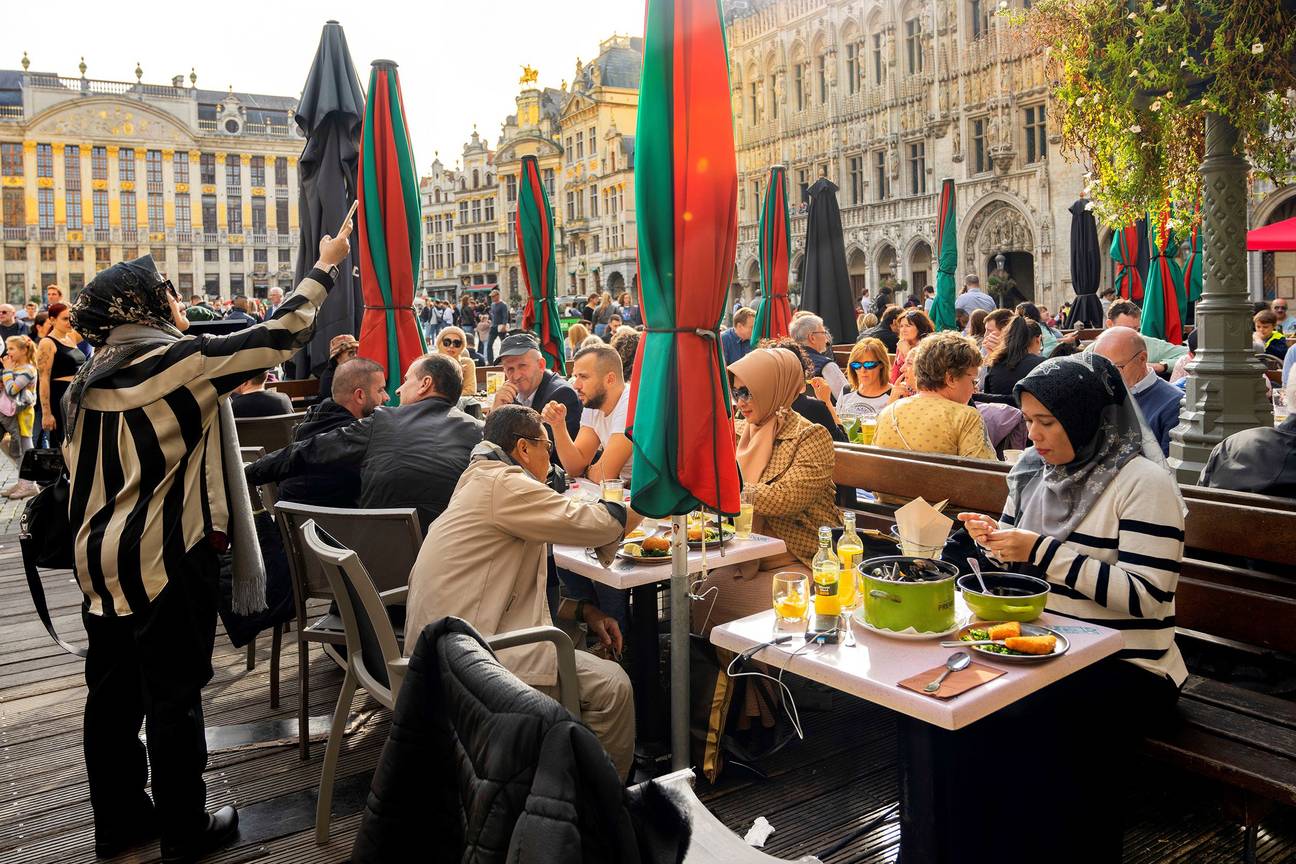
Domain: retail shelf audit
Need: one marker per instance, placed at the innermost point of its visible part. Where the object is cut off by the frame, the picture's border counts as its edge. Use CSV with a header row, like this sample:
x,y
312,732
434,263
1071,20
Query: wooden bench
x,y
302,391
1234,591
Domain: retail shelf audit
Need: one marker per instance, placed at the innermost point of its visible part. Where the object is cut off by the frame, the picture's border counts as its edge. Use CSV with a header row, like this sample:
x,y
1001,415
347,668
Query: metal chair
x,y
374,659
273,433
388,539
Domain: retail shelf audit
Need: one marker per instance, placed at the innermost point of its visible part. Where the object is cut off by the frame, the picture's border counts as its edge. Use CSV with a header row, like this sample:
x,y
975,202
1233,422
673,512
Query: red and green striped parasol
x,y
1124,251
389,230
1161,310
1193,270
686,184
535,233
942,311
774,313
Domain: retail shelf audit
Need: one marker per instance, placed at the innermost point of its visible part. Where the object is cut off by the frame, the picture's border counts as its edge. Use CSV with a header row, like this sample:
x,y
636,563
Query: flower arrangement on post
x,y
1135,81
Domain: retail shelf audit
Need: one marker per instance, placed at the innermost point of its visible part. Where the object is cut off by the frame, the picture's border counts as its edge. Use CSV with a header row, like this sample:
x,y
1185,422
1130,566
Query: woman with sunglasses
x,y
869,374
914,326
453,343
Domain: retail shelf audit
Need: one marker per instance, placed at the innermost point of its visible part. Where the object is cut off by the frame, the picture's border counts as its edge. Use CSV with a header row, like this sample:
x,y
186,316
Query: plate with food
x,y
1012,641
653,550
712,535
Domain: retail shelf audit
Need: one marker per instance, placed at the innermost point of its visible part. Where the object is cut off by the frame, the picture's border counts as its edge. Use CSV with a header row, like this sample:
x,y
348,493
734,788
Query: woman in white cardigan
x,y
1093,509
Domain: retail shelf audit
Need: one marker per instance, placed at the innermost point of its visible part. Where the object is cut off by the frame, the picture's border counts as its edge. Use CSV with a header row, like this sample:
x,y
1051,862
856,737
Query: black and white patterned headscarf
x,y
129,292
1087,396
131,295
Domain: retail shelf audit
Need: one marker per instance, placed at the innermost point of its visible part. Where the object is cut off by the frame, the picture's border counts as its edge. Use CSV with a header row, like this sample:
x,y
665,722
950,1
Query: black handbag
x,y
45,532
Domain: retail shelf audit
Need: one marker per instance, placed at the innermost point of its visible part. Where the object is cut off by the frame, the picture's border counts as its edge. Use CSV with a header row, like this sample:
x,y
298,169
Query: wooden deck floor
x,y
818,789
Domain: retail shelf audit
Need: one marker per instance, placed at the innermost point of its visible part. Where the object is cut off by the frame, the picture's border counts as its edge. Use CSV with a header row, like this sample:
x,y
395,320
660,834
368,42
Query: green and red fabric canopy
x,y
1162,302
774,313
535,233
1124,251
942,311
1193,268
390,220
686,185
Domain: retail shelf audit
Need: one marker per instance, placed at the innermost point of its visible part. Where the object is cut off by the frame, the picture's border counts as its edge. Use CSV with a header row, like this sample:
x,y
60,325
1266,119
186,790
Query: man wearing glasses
x,y
1157,398
502,504
1286,323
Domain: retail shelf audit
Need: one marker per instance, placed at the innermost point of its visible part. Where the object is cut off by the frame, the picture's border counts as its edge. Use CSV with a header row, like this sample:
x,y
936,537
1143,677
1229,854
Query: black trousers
x,y
150,668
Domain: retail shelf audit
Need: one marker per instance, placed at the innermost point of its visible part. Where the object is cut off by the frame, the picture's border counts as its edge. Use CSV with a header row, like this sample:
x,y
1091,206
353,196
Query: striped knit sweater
x,y
1120,567
148,479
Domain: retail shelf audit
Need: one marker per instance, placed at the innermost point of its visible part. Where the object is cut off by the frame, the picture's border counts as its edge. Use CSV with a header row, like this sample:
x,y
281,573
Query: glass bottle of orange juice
x,y
825,569
849,549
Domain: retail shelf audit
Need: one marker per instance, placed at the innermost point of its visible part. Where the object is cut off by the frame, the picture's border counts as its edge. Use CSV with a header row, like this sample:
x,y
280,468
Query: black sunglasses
x,y
452,343
741,393
865,364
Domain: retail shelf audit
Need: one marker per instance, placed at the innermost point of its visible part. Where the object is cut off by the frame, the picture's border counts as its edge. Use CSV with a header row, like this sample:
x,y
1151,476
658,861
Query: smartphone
x,y
355,205
823,628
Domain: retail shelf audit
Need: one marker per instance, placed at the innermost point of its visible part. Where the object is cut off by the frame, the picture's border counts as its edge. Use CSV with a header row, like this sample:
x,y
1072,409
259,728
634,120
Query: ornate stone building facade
x,y
94,171
597,196
475,227
437,192
886,98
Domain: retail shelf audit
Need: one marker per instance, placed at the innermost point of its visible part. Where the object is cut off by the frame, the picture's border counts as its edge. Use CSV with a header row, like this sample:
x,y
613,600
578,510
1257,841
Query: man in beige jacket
x,y
484,560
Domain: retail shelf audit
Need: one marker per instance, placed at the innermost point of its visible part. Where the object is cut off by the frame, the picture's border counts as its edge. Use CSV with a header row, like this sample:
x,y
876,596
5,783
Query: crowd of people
x,y
1092,504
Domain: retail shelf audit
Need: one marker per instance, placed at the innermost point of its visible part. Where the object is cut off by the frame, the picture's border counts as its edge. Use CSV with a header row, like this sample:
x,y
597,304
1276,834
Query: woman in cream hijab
x,y
786,461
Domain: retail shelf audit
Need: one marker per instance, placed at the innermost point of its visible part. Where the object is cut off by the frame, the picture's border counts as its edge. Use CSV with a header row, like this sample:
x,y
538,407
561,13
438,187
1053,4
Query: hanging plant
x,y
1134,83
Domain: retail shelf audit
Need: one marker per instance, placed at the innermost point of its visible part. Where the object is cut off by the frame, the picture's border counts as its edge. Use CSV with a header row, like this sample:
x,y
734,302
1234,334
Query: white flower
x,y
1183,63
1257,48
1132,17
1134,74
1135,129
1138,34
1162,8
1003,4
1079,100
1156,106
1170,95
1088,205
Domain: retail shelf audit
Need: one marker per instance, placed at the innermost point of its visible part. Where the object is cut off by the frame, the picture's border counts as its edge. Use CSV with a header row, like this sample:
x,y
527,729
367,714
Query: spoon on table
x,y
976,568
958,660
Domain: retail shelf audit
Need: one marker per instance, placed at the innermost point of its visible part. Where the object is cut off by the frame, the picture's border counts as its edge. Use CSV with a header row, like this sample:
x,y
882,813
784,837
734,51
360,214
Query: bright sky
x,y
459,60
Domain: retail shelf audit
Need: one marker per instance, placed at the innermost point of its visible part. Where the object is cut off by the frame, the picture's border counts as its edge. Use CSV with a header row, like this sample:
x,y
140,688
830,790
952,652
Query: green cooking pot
x,y
1013,597
926,606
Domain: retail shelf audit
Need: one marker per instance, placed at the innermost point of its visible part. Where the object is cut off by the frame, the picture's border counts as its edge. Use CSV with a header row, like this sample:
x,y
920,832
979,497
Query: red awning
x,y
1278,237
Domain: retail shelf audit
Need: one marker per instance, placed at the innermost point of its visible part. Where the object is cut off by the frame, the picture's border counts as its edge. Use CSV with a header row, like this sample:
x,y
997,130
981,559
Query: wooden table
x,y
931,792
642,580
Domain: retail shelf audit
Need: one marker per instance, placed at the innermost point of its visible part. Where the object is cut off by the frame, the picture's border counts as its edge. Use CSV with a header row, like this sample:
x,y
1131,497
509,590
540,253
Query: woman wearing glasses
x,y
452,343
869,374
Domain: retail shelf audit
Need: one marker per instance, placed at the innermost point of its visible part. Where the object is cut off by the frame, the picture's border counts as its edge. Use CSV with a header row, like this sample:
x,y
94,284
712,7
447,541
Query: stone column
x,y
1226,390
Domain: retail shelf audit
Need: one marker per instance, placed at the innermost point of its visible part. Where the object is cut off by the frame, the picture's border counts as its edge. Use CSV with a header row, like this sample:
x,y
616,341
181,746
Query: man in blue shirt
x,y
736,341
1158,399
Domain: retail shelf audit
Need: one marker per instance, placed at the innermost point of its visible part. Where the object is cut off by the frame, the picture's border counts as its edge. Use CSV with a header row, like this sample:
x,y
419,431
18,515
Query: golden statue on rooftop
x,y
529,75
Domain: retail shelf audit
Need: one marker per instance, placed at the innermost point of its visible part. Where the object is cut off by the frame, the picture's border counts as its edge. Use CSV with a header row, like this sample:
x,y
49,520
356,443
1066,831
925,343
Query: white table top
x,y
628,574
872,669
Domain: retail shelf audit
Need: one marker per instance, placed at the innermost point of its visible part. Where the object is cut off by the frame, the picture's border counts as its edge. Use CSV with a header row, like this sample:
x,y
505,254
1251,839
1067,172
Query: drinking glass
x,y
743,521
867,429
1280,406
850,425
613,490
791,598
493,382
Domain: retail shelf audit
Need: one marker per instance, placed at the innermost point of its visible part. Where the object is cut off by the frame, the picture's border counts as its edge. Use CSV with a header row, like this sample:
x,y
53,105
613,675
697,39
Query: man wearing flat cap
x,y
527,382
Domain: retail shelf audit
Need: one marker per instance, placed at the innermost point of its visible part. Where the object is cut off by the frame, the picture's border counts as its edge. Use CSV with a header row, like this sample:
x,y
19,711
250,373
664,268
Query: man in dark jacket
x,y
1260,460
239,312
499,321
409,456
358,390
887,330
527,382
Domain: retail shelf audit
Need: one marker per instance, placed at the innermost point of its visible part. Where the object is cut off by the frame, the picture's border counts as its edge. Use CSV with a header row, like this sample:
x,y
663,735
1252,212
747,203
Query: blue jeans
x,y
613,601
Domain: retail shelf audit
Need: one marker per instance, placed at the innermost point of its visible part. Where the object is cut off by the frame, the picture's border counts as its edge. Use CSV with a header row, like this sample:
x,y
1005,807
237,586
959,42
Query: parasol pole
x,y
679,648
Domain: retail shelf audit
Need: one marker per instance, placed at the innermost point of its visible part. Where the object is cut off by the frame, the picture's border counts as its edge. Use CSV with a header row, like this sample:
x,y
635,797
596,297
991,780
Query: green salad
x,y
976,635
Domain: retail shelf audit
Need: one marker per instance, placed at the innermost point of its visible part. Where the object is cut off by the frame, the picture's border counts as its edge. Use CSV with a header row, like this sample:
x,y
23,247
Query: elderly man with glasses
x,y
1157,398
810,332
1286,323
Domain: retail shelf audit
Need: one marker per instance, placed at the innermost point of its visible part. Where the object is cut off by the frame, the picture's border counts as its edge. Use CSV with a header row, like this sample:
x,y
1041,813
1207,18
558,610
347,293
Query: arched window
x,y
476,178
436,195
